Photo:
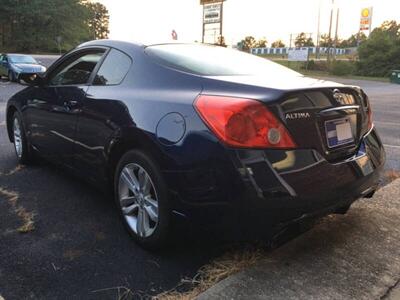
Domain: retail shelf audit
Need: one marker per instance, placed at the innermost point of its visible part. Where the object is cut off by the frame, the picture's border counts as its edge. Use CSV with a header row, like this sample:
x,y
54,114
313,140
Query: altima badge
x,y
295,116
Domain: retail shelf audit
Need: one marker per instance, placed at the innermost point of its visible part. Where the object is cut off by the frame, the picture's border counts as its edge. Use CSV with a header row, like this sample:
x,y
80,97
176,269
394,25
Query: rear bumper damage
x,y
278,186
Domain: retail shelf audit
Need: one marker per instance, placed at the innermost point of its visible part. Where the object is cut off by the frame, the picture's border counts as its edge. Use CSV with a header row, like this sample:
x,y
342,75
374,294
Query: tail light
x,y
243,123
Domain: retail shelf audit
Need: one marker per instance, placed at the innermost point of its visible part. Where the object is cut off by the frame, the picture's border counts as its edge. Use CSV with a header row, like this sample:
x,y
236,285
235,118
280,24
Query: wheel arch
x,y
132,140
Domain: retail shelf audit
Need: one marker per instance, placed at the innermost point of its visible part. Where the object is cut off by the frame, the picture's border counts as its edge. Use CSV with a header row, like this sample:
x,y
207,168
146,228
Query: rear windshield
x,y
214,61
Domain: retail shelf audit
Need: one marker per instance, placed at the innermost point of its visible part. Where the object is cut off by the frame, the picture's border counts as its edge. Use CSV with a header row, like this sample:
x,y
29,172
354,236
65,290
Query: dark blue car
x,y
201,133
13,65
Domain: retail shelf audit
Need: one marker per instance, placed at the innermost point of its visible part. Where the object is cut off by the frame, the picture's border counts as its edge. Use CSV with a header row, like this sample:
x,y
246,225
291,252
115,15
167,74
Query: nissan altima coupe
x,y
194,131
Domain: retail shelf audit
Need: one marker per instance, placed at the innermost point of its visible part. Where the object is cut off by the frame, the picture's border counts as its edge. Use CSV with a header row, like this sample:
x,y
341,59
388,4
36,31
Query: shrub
x,y
342,67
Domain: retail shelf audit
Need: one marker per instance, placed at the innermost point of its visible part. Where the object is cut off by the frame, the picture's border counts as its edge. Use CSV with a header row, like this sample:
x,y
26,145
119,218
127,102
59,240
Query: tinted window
x,y
214,61
114,68
76,70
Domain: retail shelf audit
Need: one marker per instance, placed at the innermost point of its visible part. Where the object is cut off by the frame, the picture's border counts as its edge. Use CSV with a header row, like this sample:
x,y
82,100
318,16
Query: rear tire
x,y
141,196
21,145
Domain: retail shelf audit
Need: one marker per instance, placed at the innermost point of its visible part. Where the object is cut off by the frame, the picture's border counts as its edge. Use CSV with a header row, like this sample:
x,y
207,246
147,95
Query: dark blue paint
x,y
152,110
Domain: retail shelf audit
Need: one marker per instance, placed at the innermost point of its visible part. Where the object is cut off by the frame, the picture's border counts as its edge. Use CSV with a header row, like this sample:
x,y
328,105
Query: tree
x,y
98,20
278,44
248,43
303,41
221,41
262,43
353,40
380,53
35,25
325,41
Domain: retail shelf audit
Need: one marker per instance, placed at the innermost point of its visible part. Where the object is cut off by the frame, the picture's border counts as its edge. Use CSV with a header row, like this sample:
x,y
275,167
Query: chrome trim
x,y
340,108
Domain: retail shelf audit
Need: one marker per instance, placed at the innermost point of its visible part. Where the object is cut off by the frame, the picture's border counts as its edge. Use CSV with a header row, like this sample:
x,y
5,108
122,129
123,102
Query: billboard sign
x,y
366,19
298,55
212,13
204,2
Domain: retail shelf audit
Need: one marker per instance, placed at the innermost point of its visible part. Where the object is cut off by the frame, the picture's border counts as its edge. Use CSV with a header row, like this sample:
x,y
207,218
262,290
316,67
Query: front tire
x,y
141,196
21,144
11,76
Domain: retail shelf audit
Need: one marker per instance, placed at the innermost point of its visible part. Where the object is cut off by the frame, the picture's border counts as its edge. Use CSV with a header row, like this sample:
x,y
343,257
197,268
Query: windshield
x,y
22,59
214,61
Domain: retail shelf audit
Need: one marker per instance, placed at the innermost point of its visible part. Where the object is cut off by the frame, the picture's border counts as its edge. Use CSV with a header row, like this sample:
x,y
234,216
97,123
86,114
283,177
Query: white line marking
x,y
392,146
3,124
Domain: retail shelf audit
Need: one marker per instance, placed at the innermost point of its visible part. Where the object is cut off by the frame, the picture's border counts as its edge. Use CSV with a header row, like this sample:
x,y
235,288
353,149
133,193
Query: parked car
x,y
193,131
13,65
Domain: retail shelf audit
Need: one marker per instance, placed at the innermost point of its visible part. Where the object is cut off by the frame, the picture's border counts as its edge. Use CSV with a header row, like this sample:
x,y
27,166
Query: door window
x,y
114,69
76,70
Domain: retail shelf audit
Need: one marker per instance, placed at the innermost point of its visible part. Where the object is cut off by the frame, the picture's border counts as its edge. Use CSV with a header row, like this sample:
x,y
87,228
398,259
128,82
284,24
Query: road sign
x,y
298,55
212,13
366,19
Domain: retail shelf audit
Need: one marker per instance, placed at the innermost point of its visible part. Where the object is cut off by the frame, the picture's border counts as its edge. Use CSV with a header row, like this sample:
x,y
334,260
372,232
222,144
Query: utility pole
x,y
336,34
319,29
330,33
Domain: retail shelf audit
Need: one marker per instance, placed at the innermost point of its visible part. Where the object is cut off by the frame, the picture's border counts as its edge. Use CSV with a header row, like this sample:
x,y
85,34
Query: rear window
x,y
213,61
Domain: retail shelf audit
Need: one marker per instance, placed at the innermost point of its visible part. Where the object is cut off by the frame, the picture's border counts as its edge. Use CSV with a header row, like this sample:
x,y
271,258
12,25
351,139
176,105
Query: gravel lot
x,y
79,248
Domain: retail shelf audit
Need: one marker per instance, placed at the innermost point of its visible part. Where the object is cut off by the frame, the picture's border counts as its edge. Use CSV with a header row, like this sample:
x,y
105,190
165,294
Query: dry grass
x,y
391,175
122,293
210,274
26,217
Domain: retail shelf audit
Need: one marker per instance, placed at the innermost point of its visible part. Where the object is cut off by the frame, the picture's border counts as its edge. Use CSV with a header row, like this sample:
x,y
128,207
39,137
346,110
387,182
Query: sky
x,y
151,21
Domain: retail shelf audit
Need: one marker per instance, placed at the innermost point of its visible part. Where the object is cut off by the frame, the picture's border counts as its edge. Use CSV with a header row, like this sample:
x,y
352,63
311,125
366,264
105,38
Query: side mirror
x,y
33,79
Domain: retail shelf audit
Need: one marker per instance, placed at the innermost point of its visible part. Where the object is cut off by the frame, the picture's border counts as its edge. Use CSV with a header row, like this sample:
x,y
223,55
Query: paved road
x,y
79,248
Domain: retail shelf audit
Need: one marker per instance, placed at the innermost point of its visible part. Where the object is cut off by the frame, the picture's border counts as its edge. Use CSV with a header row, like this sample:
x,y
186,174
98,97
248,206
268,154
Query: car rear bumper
x,y
279,186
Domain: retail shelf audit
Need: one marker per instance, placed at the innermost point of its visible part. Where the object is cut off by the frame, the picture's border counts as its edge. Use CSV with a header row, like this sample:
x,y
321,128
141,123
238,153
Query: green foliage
x,y
250,42
342,67
98,20
247,43
262,43
303,41
278,44
320,65
380,53
35,25
353,40
325,41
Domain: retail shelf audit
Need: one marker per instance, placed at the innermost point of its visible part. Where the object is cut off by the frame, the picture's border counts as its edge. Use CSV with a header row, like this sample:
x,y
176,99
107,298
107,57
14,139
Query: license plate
x,y
338,132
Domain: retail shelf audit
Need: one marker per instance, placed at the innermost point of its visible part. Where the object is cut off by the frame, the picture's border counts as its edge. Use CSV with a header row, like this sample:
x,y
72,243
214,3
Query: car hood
x,y
29,67
290,82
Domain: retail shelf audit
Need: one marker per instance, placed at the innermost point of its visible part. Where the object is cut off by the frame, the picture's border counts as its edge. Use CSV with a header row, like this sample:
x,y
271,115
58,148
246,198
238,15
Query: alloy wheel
x,y
138,200
17,137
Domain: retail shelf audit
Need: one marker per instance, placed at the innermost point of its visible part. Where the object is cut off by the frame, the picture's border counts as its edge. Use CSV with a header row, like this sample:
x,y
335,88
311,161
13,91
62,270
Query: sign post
x,y
366,19
212,19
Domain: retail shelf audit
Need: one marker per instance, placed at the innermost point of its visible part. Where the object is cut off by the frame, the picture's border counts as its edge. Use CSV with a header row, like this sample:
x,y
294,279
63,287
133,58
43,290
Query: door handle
x,y
71,103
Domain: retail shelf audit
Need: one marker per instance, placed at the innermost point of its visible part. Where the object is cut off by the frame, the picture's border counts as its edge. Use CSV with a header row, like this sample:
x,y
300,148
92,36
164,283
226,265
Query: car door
x,y
101,114
53,110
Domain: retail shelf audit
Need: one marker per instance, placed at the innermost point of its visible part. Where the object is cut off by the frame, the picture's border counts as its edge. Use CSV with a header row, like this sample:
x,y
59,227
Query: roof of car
x,y
125,44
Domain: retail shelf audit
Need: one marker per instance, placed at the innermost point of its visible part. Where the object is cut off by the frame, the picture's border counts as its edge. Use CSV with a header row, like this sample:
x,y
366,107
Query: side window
x,y
114,69
76,70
